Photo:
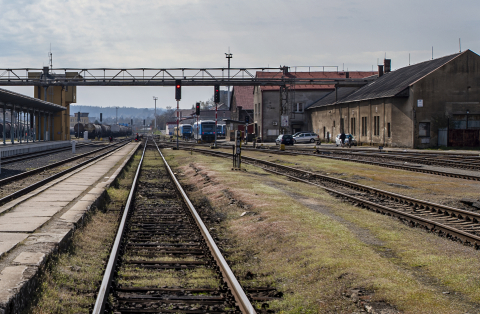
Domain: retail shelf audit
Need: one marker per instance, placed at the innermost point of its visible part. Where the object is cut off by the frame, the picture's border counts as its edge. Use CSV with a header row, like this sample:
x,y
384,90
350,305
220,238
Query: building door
x,y
442,136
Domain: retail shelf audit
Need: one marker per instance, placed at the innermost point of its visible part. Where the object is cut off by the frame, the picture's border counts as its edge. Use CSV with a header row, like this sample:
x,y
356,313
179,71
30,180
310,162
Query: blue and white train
x,y
205,132
221,130
184,131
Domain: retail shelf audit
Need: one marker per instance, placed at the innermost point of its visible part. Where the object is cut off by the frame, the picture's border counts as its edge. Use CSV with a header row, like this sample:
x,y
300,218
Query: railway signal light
x,y
178,89
197,109
247,119
217,94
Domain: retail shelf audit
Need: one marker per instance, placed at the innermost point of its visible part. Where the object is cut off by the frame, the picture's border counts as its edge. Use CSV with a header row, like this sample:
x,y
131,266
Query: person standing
x,y
342,138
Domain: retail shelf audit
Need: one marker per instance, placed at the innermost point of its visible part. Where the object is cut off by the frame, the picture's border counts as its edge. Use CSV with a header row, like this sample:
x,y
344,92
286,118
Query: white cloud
x,y
188,33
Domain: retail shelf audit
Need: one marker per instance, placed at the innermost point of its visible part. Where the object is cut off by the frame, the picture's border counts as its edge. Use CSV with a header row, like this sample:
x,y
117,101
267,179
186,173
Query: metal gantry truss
x,y
158,77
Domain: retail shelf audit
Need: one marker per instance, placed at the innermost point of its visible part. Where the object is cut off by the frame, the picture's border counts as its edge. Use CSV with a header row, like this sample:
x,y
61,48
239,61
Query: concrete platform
x,y
40,224
10,149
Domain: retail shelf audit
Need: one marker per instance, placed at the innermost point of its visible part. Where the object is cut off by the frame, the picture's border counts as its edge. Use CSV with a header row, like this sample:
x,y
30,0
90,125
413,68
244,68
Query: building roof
x,y
393,83
313,75
333,97
11,98
243,96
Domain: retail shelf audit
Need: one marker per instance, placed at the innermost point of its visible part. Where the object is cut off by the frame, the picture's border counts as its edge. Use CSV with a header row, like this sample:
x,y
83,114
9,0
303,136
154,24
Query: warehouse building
x,y
433,103
268,101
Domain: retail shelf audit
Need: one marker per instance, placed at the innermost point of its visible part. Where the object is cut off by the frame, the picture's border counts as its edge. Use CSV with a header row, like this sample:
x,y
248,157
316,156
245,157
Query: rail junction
x,y
456,224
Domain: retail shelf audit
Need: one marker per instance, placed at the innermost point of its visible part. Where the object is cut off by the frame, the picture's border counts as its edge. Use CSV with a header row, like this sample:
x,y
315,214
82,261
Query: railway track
x,y
382,160
56,164
23,157
453,223
163,259
31,187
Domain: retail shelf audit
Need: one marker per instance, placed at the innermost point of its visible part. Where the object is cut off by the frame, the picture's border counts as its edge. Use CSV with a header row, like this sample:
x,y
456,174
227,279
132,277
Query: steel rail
x,y
56,164
447,210
102,295
237,290
38,184
429,224
376,163
381,164
22,157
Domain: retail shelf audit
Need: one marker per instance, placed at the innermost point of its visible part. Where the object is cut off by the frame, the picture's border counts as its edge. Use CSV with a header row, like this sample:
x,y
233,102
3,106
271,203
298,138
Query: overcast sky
x,y
196,33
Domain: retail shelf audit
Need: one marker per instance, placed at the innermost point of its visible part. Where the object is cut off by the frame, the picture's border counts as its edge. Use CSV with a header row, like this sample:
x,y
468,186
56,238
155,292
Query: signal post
x,y
216,99
178,96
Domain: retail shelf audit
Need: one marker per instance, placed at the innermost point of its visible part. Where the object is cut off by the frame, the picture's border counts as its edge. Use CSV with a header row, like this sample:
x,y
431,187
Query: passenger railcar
x,y
206,131
184,131
221,130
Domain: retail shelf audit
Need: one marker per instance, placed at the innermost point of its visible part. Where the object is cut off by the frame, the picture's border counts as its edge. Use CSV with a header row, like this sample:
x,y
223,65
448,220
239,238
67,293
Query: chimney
x,y
380,70
387,65
347,74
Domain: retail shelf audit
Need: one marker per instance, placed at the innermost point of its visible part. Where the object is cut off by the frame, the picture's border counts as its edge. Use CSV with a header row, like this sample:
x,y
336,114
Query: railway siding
x,y
42,223
298,247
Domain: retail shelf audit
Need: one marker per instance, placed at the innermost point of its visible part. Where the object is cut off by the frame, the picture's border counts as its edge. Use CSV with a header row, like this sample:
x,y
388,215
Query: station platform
x,y
39,224
10,149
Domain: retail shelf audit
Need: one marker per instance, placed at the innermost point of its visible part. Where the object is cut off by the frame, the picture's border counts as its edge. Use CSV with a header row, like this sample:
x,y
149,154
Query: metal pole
x,y
34,131
178,104
4,123
216,107
44,126
155,114
12,126
228,56
53,127
25,119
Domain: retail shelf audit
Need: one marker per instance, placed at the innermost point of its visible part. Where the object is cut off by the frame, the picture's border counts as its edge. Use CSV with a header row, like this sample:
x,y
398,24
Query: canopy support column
x,y
12,128
4,123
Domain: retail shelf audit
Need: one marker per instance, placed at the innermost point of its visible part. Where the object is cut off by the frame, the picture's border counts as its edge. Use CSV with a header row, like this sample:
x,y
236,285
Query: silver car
x,y
306,138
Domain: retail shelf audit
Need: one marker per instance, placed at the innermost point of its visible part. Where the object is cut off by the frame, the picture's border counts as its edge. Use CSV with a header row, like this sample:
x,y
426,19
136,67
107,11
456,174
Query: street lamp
x,y
228,56
155,114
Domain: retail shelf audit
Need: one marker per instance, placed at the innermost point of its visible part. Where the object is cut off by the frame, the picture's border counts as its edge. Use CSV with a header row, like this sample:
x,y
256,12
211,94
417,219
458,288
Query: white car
x,y
338,141
306,138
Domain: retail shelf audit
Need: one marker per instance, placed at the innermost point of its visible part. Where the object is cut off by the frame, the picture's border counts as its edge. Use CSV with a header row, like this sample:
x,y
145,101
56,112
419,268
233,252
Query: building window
x,y
298,107
389,131
324,132
424,129
376,125
352,126
333,123
364,126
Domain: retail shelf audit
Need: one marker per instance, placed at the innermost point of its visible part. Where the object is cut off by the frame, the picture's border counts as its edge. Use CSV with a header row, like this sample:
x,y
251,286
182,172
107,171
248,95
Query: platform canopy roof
x,y
10,99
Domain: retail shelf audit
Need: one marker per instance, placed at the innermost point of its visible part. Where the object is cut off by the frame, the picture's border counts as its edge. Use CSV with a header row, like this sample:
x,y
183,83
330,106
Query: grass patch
x,y
313,247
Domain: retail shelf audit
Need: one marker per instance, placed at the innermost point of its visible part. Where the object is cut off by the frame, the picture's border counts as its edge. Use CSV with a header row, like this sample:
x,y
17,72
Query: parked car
x,y
298,133
286,139
306,138
338,141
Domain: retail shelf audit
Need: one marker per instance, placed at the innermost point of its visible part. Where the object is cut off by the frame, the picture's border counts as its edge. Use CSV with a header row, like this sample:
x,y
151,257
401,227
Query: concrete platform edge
x,y
29,274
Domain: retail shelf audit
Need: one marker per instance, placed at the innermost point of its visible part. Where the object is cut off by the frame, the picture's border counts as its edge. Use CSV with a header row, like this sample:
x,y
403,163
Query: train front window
x,y
208,127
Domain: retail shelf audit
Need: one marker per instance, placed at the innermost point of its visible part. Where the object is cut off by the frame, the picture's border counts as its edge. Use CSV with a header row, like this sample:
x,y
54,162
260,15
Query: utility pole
x,y
116,115
155,114
228,56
